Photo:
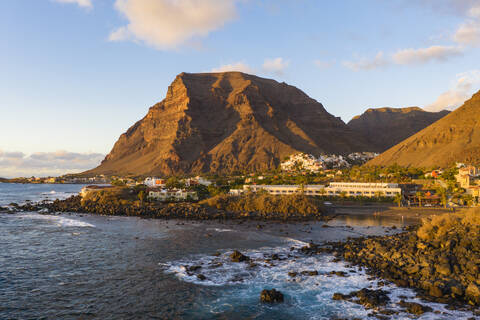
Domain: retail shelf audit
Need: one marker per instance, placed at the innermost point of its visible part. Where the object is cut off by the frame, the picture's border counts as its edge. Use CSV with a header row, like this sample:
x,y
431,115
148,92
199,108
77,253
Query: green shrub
x,y
266,203
437,227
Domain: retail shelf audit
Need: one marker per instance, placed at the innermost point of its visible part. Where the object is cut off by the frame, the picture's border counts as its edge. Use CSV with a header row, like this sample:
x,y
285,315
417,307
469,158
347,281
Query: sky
x,y
75,74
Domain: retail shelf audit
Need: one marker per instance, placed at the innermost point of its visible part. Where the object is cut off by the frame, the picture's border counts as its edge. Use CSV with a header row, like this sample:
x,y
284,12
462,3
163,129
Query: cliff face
x,y
456,137
385,127
223,122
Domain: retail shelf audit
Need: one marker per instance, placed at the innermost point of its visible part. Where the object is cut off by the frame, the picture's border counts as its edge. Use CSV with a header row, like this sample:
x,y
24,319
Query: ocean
x,y
73,266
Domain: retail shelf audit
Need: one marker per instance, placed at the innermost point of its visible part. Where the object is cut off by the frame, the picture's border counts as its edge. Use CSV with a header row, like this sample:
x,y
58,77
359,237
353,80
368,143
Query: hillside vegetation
x,y
267,204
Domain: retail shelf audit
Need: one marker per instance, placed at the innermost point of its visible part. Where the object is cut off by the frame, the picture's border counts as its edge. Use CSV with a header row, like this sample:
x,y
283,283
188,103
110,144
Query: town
x,y
327,179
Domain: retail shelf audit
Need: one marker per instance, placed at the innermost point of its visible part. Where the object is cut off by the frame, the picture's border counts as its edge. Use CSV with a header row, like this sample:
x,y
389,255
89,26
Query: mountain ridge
x,y
225,122
385,127
454,138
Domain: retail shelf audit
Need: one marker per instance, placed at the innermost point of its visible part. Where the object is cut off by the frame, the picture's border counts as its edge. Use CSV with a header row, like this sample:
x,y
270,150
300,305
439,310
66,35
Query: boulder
x,y
237,256
415,308
435,291
271,296
444,269
472,293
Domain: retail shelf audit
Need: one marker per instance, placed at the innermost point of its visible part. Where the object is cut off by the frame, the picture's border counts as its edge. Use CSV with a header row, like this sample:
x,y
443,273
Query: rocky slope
x,y
223,122
455,137
385,127
440,259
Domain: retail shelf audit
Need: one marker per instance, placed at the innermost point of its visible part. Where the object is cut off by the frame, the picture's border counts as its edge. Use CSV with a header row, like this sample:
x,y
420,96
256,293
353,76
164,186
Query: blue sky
x,y
77,73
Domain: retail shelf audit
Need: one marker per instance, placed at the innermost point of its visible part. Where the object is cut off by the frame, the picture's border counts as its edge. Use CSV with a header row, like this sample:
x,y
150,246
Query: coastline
x,y
311,231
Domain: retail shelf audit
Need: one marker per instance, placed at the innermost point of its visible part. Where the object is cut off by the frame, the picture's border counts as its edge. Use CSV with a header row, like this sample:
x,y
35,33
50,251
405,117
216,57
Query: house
x,y
470,170
197,181
154,182
174,194
474,191
467,175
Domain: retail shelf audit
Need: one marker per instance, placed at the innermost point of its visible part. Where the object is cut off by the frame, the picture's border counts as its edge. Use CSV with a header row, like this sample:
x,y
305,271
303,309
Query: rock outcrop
x,y
385,127
454,138
225,122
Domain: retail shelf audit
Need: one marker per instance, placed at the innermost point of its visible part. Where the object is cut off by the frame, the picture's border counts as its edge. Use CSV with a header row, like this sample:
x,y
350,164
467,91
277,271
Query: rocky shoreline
x,y
187,211
442,268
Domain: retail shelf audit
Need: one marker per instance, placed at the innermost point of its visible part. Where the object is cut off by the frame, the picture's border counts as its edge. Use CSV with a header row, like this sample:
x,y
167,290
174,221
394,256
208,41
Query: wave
x,y
59,220
310,295
220,230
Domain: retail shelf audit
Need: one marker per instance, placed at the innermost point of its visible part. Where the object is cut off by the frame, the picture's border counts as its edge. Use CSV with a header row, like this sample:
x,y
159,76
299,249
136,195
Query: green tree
x,y
398,199
174,183
117,182
442,193
142,196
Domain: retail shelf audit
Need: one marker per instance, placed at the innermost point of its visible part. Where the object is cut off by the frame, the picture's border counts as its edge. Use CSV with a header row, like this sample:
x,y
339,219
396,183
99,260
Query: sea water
x,y
72,266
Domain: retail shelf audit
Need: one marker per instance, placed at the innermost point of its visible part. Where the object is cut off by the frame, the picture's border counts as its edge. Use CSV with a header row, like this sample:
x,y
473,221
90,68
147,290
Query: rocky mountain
x,y
455,137
385,127
224,122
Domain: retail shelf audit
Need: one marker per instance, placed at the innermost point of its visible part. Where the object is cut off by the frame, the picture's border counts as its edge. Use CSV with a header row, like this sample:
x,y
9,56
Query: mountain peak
x,y
385,127
225,122
454,138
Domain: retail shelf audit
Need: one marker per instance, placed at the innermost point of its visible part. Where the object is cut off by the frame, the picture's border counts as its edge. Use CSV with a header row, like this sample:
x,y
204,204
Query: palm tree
x,y
419,197
398,199
442,192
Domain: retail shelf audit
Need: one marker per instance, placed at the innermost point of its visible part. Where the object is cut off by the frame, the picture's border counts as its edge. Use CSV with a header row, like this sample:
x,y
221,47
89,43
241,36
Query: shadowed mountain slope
x,y
385,127
224,122
455,137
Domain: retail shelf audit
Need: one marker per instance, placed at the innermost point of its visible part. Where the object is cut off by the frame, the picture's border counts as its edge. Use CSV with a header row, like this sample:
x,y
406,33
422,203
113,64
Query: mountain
x,y
455,137
224,122
385,127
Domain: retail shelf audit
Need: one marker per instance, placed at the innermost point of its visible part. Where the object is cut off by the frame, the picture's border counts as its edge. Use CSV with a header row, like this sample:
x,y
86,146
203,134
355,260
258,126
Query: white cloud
x,y
237,66
423,55
474,11
323,64
168,24
15,164
468,33
81,3
275,65
367,64
462,89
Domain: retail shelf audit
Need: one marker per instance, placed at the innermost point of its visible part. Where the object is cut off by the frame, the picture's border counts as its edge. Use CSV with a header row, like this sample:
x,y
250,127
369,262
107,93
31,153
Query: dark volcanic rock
x,y
415,308
237,256
225,122
271,296
366,297
441,267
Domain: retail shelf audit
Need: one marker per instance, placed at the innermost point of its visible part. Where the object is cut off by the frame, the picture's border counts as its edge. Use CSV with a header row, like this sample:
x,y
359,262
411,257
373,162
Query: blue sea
x,y
79,266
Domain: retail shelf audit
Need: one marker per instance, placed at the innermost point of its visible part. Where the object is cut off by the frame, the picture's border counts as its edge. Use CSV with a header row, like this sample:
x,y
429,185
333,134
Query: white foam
x,y
58,220
311,294
220,230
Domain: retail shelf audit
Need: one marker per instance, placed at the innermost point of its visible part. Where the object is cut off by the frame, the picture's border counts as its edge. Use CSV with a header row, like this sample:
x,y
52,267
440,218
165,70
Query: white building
x,y
314,190
196,181
175,194
302,161
348,189
353,189
154,182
